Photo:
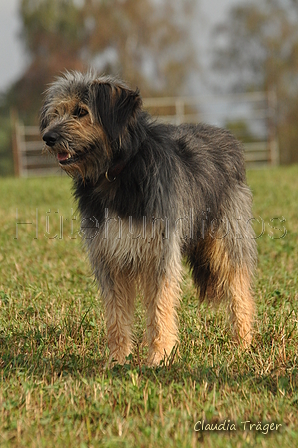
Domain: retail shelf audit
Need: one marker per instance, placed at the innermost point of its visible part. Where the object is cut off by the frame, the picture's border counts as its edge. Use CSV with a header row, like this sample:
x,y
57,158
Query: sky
x,y
12,57
12,52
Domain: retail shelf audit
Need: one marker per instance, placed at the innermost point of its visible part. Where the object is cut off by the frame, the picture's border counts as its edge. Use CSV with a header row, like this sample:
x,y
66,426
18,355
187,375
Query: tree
x,y
146,42
257,48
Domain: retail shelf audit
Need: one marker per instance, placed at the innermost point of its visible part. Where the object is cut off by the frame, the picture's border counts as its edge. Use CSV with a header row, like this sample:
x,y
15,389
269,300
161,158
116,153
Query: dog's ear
x,y
113,106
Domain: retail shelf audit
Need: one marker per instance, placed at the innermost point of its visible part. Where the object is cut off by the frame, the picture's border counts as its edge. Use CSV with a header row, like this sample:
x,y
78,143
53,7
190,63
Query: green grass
x,y
54,387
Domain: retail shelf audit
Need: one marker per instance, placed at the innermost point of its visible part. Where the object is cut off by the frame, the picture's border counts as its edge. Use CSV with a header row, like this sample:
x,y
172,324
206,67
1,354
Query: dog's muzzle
x,y
64,158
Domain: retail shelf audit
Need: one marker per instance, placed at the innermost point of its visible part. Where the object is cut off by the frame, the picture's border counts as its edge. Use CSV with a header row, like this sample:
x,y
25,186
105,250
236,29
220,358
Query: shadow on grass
x,y
43,359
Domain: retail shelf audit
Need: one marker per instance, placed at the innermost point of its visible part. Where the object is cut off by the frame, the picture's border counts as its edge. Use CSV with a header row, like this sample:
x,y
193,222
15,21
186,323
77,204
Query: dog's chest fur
x,y
128,241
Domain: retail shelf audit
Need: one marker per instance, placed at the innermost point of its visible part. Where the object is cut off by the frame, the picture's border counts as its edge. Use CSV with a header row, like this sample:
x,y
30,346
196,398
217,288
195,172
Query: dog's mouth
x,y
64,158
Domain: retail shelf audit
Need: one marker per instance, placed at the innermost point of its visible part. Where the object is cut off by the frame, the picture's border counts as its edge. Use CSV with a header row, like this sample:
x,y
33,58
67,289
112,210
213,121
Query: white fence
x,y
28,157
256,110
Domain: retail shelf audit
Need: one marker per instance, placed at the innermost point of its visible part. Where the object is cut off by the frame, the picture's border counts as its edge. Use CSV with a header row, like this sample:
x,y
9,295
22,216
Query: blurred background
x,y
231,63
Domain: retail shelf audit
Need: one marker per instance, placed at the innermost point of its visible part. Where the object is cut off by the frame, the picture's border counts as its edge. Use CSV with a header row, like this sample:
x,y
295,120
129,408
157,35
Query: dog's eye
x,y
80,112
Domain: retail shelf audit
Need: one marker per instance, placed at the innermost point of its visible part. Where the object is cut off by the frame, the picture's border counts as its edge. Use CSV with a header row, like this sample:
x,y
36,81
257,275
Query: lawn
x,y
55,388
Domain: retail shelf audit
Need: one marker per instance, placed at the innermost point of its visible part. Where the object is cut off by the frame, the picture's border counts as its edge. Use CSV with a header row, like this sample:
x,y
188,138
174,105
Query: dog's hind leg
x,y
224,263
225,278
241,305
241,256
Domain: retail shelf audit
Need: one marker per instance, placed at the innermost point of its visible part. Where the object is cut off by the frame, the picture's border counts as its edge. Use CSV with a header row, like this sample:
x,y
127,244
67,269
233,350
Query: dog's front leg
x,y
162,330
119,306
161,297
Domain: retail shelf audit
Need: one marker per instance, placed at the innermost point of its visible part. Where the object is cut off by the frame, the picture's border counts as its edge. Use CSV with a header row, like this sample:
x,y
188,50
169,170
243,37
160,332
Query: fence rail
x,y
257,107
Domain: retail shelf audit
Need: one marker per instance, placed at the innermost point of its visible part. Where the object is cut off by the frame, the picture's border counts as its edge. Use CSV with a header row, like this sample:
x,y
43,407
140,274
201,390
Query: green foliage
x,y
58,21
241,130
6,160
55,389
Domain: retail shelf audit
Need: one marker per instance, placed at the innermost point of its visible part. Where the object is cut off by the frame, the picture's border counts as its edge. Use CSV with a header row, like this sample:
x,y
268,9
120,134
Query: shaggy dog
x,y
150,194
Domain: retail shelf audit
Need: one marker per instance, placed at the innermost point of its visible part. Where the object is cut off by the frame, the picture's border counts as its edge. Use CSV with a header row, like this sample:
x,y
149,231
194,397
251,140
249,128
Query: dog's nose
x,y
50,138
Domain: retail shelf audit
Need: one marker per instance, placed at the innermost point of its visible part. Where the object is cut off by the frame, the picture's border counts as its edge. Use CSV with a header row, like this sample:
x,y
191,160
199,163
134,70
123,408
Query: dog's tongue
x,y
62,156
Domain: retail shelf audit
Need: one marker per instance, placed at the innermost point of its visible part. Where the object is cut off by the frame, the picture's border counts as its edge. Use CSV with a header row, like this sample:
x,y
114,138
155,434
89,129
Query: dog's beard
x,y
88,163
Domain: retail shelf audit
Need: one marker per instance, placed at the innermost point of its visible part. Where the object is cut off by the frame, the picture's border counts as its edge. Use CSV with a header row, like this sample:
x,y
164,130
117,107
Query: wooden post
x,y
272,134
15,146
179,106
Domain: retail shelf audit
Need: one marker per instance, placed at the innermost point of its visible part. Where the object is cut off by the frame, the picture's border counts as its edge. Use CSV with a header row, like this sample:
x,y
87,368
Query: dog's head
x,y
86,122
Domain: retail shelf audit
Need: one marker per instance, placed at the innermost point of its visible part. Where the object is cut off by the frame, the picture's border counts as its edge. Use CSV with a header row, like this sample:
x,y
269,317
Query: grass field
x,y
54,388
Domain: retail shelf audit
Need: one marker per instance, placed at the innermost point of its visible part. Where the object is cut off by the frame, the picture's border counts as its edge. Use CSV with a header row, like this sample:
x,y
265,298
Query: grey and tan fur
x,y
150,194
